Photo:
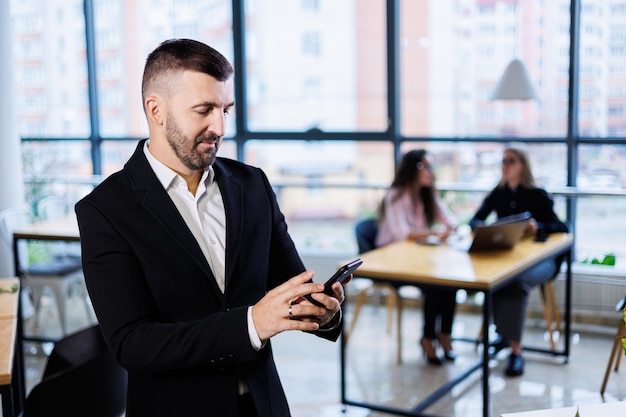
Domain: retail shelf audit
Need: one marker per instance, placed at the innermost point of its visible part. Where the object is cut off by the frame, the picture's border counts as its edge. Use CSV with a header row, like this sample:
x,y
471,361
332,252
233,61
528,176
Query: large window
x,y
322,68
51,71
602,98
126,32
328,99
453,54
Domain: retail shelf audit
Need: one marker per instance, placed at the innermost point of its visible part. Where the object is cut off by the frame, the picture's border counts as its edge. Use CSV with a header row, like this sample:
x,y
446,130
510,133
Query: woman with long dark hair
x,y
409,211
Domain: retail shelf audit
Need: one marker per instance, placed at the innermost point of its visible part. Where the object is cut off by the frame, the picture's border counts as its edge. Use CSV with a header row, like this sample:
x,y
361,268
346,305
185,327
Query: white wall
x,y
12,189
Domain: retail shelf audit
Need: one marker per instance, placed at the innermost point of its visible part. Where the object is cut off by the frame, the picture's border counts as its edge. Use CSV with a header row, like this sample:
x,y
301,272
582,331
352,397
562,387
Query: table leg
x,y
568,304
18,379
399,328
7,400
487,305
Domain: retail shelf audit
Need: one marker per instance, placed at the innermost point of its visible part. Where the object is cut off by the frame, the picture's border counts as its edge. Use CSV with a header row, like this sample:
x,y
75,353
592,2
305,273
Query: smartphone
x,y
340,276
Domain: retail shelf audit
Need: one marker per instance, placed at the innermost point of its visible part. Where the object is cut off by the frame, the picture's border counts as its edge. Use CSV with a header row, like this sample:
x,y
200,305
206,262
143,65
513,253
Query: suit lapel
x,y
157,202
232,195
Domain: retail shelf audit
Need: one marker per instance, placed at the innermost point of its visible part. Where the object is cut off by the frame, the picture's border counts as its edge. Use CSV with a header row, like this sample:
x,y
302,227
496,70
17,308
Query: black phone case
x,y
340,276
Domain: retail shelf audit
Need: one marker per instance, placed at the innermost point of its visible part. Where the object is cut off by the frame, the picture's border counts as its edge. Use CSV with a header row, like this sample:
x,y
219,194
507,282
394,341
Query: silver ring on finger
x,y
291,316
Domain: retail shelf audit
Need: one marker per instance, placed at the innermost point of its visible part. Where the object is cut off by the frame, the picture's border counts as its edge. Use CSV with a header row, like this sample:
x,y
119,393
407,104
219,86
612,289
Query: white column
x,y
11,175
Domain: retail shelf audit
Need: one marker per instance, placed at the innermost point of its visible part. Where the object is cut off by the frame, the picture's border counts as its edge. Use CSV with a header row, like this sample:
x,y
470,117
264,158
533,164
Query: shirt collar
x,y
167,176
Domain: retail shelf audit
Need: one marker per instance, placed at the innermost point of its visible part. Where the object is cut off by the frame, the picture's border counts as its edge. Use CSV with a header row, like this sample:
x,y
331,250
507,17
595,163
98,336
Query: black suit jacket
x,y
183,341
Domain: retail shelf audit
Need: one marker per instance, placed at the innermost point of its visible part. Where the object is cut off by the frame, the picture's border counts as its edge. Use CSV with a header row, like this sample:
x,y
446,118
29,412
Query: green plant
x,y
13,289
607,260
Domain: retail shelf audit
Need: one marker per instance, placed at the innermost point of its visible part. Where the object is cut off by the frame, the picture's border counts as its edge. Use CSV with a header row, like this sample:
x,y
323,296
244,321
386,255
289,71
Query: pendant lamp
x,y
515,84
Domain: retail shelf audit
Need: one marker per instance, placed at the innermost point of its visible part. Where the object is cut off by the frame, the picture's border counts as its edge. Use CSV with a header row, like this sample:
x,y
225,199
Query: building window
x,y
311,44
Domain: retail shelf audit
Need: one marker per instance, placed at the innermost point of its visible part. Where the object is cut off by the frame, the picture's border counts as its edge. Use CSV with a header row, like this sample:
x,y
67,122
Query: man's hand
x,y
284,307
332,303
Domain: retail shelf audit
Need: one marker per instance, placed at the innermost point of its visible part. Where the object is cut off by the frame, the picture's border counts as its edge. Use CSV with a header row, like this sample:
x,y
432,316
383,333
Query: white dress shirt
x,y
205,216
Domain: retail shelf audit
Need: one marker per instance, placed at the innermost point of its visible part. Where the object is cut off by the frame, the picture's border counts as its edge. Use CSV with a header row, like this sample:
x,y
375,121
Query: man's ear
x,y
154,110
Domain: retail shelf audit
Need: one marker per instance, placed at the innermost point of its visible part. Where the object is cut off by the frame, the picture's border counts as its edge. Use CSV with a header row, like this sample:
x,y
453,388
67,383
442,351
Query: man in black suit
x,y
187,257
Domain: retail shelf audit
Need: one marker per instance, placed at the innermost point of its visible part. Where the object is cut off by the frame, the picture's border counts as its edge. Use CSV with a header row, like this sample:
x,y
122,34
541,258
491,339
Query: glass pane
x,y
50,68
478,164
602,74
115,154
454,53
324,67
323,187
53,168
602,168
476,167
127,31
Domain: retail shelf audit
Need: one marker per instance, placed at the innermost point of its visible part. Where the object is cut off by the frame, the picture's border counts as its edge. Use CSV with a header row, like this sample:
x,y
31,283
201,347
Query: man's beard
x,y
186,149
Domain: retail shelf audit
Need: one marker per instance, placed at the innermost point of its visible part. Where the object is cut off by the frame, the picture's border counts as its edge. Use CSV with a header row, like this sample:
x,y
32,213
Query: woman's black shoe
x,y
515,366
445,340
429,351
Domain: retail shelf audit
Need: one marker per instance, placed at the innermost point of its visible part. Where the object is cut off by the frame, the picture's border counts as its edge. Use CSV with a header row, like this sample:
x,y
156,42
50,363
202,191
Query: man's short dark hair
x,y
177,55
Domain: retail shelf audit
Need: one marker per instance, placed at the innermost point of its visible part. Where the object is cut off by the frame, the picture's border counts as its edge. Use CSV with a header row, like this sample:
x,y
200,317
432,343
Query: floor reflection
x,y
310,371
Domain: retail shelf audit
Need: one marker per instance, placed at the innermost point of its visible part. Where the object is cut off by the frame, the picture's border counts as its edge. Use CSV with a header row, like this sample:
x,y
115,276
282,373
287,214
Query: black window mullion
x,y
92,82
241,98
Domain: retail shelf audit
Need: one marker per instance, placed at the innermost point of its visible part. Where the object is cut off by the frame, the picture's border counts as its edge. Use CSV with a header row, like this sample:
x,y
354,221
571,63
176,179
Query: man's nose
x,y
218,125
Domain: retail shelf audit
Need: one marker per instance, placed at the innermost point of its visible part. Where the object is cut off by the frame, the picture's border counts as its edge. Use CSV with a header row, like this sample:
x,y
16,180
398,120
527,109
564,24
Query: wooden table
x,y
614,409
8,334
64,229
409,263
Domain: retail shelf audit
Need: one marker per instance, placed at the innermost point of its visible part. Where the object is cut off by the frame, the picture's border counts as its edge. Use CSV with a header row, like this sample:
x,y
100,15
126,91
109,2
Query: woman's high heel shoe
x,y
429,351
446,343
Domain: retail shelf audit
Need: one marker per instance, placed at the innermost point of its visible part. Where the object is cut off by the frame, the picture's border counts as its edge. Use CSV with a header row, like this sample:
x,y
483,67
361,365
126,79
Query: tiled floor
x,y
310,368
310,371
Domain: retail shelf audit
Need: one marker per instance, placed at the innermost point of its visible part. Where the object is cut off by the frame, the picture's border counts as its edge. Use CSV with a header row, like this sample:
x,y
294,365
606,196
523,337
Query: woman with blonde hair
x,y
517,193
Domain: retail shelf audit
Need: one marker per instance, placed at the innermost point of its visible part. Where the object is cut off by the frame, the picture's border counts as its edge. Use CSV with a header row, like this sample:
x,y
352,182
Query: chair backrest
x,y
366,231
52,207
11,219
81,378
560,258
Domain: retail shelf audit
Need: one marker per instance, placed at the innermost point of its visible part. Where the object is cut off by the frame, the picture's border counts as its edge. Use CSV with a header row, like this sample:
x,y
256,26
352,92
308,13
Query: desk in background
x,y
64,229
8,347
408,263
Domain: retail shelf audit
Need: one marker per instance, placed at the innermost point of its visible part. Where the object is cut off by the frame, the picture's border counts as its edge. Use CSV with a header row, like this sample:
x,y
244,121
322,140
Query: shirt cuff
x,y
333,323
255,341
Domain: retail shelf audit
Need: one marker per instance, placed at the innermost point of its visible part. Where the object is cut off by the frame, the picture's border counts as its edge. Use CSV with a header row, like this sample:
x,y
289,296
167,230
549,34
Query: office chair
x,y
616,350
51,208
550,307
551,314
60,274
81,379
366,231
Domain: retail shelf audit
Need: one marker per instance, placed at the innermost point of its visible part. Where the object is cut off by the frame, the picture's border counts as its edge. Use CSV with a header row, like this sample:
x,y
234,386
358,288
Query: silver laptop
x,y
503,234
